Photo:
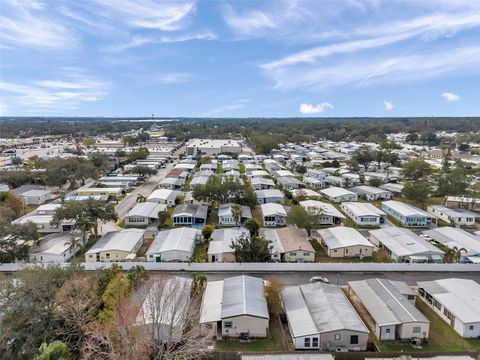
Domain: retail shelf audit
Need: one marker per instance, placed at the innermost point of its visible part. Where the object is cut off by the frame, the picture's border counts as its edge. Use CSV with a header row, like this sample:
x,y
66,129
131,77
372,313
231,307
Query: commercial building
x,y
116,246
235,306
393,314
173,245
403,245
456,301
364,214
213,147
289,244
408,215
342,241
320,317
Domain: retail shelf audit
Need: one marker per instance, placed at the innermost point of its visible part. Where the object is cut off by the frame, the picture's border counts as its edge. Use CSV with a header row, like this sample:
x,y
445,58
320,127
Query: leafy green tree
x,y
252,226
141,170
117,291
374,182
236,213
452,183
251,249
418,192
16,239
56,350
136,274
364,156
412,138
415,169
207,231
199,281
304,218
140,154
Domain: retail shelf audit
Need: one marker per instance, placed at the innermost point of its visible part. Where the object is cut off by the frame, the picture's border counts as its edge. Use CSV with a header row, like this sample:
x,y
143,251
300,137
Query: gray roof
x,y
342,236
177,239
226,210
269,193
453,237
454,212
147,209
244,295
385,303
406,209
123,240
319,308
194,210
222,239
55,244
404,242
363,209
365,189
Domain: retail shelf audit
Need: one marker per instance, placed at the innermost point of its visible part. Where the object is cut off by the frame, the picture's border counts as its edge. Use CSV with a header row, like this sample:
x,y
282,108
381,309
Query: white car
x,y
322,279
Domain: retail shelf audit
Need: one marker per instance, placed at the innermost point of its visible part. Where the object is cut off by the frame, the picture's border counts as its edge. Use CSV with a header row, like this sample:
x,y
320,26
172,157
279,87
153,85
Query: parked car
x,y
322,279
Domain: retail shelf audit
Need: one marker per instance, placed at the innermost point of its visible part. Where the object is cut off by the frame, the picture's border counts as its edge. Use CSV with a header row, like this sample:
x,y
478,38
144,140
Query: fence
x,y
269,267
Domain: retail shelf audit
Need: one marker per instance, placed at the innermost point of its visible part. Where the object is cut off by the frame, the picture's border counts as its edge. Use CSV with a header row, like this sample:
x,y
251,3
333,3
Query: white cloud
x,y
450,97
314,109
367,70
388,105
27,24
173,78
53,95
250,22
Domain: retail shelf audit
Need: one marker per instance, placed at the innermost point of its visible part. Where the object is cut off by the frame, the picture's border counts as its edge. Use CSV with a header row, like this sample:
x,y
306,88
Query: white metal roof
x,y
163,194
328,209
222,239
307,192
273,209
365,189
385,303
123,240
234,296
453,237
55,244
319,308
404,242
336,191
147,209
460,296
342,236
269,193
454,212
363,209
406,209
177,239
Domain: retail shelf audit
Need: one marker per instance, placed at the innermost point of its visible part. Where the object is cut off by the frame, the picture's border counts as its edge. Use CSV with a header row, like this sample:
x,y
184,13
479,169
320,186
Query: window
x,y
471,327
354,339
227,324
107,256
306,254
315,342
437,304
307,342
387,330
337,337
293,254
346,250
416,330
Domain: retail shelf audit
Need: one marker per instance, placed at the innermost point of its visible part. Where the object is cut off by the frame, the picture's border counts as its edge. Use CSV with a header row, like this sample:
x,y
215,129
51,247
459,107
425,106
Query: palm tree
x,y
141,198
236,213
73,243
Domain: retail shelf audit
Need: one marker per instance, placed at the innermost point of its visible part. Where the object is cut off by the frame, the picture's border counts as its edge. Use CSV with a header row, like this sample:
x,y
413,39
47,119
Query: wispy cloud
x,y
173,78
54,95
27,24
450,97
227,109
388,105
248,22
314,109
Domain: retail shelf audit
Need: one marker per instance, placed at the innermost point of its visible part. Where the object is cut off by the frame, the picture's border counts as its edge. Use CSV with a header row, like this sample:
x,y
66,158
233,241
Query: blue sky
x,y
239,58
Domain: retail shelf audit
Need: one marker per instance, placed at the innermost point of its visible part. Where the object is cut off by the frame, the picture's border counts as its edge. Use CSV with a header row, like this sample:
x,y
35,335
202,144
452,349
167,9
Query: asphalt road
x,y
297,278
145,189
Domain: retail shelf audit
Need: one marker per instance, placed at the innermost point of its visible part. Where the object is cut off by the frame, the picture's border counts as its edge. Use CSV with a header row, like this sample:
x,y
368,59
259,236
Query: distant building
x,y
320,317
35,197
472,204
372,193
456,301
213,147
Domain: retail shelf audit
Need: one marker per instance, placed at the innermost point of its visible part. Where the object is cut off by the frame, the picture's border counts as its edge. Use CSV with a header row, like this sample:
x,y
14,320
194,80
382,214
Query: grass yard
x,y
146,244
321,256
442,336
200,252
272,343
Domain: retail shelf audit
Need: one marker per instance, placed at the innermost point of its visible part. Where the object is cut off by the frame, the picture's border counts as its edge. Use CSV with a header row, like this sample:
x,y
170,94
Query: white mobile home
x,y
364,214
408,215
342,241
467,244
289,244
56,248
337,194
329,213
457,216
274,214
173,245
372,193
220,246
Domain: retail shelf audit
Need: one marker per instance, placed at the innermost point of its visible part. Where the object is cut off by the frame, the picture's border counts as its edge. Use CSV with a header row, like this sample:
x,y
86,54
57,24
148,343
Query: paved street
x,y
145,189
292,278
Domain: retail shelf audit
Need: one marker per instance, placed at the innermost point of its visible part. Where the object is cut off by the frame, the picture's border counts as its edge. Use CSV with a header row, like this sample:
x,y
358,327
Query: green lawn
x,y
321,256
272,343
442,336
187,183
200,252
